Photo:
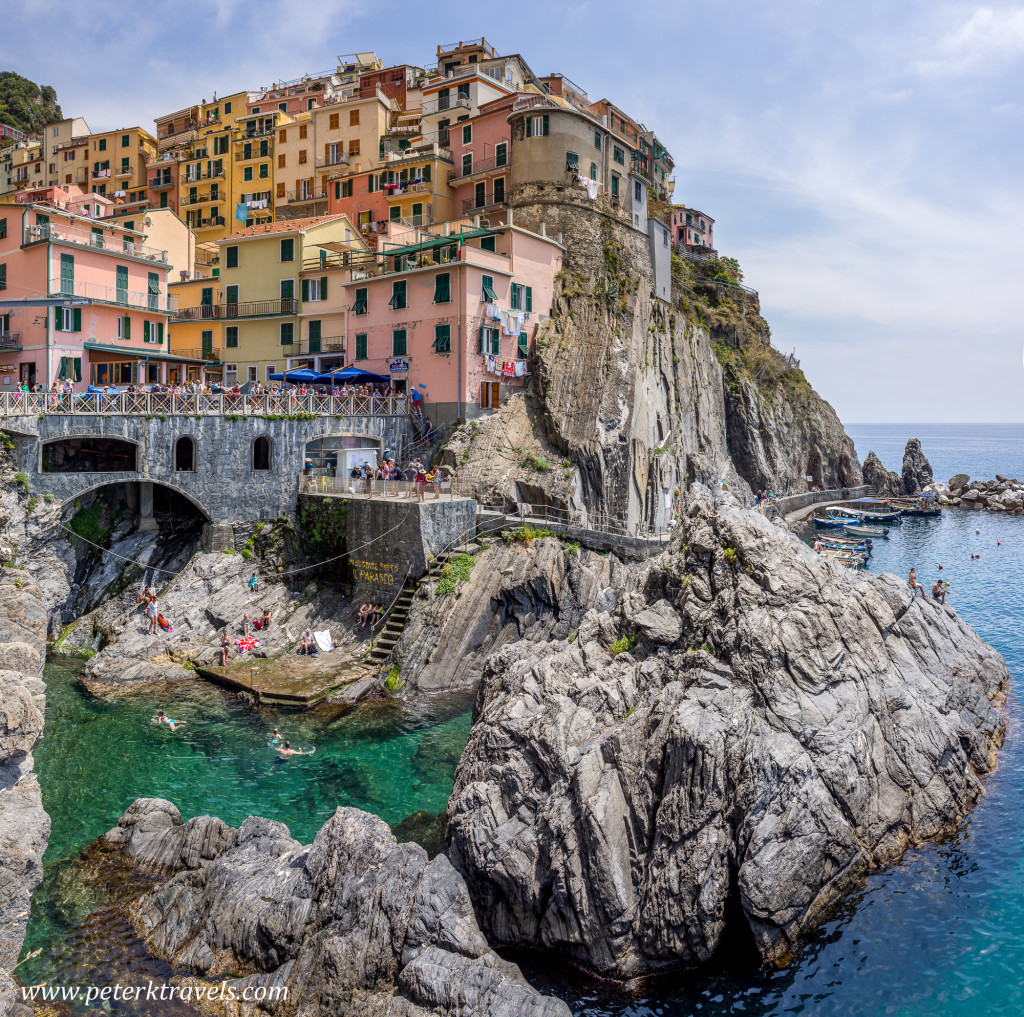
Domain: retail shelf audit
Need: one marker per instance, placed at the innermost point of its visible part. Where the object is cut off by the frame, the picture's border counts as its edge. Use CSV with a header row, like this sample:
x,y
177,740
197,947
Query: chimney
x,y
543,229
510,216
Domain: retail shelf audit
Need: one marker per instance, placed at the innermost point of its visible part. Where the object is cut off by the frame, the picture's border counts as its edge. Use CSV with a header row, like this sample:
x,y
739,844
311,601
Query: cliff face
x,y
629,400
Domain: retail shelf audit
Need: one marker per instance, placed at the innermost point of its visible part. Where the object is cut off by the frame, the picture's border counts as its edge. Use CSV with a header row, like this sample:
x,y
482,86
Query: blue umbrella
x,y
354,375
300,376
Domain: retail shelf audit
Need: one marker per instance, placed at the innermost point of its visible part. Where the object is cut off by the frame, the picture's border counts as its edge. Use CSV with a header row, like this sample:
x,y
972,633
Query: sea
x,y
939,933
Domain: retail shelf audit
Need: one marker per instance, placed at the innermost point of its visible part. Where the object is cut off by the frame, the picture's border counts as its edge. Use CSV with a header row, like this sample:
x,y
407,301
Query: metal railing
x,y
325,344
113,295
194,178
341,159
10,341
440,105
158,183
152,403
202,353
101,174
244,309
294,197
482,166
97,241
199,199
490,201
207,224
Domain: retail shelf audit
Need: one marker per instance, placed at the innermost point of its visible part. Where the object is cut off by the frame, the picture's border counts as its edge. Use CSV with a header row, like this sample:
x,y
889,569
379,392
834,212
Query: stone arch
x,y
185,454
86,488
261,455
116,454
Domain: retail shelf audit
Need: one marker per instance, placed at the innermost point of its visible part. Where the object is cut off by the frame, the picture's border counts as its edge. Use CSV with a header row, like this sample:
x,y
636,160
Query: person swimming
x,y
276,736
287,750
162,718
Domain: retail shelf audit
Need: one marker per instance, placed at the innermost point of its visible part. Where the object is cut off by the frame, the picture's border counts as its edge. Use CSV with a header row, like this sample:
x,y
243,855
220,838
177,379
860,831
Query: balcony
x,y
255,132
294,198
201,199
73,143
244,309
97,241
10,341
339,160
103,174
210,354
124,172
209,224
159,183
482,166
471,206
155,302
325,344
440,105
214,174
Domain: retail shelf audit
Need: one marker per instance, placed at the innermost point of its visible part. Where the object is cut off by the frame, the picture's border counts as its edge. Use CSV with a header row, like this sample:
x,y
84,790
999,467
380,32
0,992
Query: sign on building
x,y
398,365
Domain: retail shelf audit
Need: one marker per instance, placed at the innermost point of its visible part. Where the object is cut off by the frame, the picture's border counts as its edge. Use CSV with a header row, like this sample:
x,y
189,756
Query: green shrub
x,y
622,645
573,547
538,463
394,683
30,505
229,550
21,480
246,553
48,498
730,556
458,568
88,523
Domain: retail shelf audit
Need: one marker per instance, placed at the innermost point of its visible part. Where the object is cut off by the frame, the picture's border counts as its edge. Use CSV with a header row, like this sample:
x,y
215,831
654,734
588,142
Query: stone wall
x,y
224,485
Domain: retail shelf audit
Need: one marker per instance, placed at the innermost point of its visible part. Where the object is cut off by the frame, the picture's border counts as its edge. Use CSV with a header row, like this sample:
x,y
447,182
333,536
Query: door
x,y
490,394
206,302
480,195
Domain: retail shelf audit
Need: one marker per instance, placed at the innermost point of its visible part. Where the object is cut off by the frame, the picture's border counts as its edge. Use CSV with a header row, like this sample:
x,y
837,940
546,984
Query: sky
x,y
862,160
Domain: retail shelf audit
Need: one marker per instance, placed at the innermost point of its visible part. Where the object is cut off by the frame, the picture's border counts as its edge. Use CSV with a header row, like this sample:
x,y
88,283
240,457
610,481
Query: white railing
x,y
285,404
155,302
116,244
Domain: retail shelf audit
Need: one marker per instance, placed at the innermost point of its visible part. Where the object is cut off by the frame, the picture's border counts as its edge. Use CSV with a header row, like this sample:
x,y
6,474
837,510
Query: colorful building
x,y
119,162
481,150
68,145
453,315
693,231
196,331
81,298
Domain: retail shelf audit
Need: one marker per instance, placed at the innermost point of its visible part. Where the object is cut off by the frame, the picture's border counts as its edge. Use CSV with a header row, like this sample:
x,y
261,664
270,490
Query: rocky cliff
x,y
629,400
352,924
915,478
724,754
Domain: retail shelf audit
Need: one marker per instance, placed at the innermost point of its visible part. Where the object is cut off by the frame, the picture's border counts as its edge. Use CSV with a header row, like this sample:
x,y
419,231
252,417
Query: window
x,y
264,148
302,131
442,338
467,164
3,228
615,186
287,333
153,288
467,134
251,372
287,289
618,155
333,123
231,298
280,190
231,257
490,340
353,147
206,342
537,126
463,90
124,327
487,288
487,244
597,140
184,455
399,346
361,346
638,195
231,336
395,213
247,173
227,107
442,129
315,289
523,346
125,140
288,249
67,319
426,173
442,288
153,332
67,275
102,145
126,165
572,162
3,277
261,449
593,171
264,170
398,295
360,306
280,161
247,150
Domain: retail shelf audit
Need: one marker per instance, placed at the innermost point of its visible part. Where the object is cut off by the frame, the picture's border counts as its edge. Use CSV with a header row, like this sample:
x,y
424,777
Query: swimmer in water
x,y
276,736
162,718
287,750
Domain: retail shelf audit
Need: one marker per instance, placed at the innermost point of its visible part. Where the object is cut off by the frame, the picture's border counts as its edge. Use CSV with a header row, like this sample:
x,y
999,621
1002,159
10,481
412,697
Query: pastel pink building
x,y
693,231
82,297
454,321
481,154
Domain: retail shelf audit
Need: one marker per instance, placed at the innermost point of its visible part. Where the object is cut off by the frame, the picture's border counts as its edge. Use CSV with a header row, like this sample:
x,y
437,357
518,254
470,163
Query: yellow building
x,y
261,306
27,168
197,330
253,166
67,146
119,163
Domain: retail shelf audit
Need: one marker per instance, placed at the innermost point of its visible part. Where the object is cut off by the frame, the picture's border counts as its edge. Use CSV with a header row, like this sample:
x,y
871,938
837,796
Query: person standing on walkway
x,y
151,612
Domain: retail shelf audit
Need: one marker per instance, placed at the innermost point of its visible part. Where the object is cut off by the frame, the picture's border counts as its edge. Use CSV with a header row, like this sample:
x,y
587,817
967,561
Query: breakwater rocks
x,y
915,479
352,924
24,825
727,753
1000,495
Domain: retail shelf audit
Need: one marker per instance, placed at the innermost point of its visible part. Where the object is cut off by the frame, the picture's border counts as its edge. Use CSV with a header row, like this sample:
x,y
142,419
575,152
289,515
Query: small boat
x,y
855,561
920,510
867,531
880,517
843,543
828,523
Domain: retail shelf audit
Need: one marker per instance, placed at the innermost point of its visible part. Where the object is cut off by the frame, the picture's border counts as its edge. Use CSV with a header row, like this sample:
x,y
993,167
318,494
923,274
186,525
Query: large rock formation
x,y
882,482
352,924
732,749
917,471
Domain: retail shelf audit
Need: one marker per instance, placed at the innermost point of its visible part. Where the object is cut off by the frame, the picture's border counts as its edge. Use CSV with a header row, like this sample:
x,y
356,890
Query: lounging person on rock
x,y
364,614
818,544
162,718
254,583
915,585
939,591
265,619
246,624
309,646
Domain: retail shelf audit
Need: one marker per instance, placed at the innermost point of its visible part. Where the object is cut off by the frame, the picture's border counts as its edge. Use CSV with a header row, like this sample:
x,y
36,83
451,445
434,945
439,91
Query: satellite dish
x,y
148,221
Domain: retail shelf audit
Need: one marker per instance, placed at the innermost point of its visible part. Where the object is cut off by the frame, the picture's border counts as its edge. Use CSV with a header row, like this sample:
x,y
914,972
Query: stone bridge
x,y
232,467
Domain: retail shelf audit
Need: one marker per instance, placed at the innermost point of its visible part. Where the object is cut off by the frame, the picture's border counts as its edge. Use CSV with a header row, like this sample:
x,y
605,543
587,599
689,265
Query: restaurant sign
x,y
398,365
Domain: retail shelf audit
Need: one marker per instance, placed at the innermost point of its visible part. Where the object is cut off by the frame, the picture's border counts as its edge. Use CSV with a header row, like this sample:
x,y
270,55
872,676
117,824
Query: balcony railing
x,y
310,347
73,143
102,174
124,172
440,105
471,205
151,403
295,198
97,241
194,178
255,133
208,224
199,199
159,183
155,302
242,309
208,353
341,159
481,166
10,341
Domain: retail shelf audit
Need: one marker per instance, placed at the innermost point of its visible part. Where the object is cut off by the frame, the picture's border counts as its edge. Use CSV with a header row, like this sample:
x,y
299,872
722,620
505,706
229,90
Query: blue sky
x,y
862,160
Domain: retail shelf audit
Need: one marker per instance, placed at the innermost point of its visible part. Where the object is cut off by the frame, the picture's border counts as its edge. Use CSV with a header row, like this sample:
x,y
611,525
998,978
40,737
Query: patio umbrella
x,y
354,376
298,376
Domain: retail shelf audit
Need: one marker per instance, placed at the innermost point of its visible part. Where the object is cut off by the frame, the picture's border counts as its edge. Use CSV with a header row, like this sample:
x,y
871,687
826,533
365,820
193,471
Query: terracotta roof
x,y
282,226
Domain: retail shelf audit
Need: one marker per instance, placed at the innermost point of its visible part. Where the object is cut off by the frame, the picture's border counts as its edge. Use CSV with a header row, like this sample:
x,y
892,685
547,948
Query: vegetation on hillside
x,y
26,105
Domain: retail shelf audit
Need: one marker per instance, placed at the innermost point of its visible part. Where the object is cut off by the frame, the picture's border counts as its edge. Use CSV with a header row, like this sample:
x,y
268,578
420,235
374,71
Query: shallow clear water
x,y
97,757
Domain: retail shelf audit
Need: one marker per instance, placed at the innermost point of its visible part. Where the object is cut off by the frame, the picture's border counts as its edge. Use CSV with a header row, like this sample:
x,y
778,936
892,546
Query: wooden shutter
x,y
305,290
145,331
529,299
77,320
127,327
58,318
323,287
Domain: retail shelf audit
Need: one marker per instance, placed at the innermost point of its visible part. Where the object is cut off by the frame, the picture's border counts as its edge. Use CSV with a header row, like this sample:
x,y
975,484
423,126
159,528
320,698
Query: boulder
x,y
883,483
806,726
917,471
353,924
959,481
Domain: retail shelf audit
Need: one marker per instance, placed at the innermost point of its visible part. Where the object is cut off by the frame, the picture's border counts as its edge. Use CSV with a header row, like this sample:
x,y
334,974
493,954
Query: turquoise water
x,y
97,757
940,933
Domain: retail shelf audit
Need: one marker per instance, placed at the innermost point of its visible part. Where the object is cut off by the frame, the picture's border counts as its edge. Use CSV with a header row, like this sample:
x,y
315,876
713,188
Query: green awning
x,y
453,238
142,354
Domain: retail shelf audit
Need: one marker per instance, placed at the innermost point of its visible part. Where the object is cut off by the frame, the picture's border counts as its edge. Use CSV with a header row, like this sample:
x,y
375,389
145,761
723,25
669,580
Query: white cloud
x,y
988,39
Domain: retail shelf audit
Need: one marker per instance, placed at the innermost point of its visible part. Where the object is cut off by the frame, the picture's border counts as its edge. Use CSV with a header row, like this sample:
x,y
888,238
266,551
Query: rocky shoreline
x,y
1003,494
